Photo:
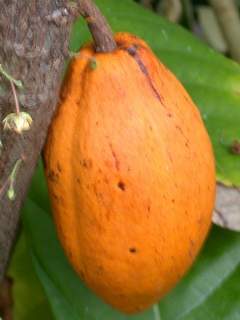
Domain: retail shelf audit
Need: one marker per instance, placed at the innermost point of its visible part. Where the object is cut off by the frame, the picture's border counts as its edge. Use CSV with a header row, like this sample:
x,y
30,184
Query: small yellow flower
x,y
17,122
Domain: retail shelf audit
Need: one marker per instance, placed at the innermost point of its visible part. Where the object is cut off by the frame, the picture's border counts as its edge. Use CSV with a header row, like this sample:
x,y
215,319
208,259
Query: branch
x,y
98,26
33,46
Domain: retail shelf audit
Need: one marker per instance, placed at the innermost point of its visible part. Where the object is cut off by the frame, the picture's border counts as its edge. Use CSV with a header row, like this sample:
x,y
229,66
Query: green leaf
x,y
211,290
212,80
29,299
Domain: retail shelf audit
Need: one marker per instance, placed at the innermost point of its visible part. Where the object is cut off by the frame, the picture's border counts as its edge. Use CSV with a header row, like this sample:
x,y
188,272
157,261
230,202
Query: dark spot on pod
x,y
53,176
116,160
55,196
59,168
86,163
192,243
179,129
190,253
106,180
121,185
132,250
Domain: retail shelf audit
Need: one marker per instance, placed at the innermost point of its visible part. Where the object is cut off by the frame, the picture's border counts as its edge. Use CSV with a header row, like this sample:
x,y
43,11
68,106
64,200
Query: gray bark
x,y
33,48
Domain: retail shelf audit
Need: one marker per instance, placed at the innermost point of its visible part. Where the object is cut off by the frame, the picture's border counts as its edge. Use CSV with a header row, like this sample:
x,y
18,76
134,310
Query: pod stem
x,y
98,25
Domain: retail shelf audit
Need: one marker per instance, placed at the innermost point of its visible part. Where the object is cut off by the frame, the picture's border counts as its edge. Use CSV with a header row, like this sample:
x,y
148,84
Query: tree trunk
x,y
33,47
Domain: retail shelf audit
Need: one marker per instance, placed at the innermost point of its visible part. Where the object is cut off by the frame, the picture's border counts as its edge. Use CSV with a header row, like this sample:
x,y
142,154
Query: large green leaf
x,y
210,291
212,80
29,299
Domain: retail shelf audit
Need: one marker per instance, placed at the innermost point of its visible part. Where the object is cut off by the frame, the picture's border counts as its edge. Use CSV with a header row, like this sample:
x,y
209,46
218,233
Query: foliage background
x,y
45,286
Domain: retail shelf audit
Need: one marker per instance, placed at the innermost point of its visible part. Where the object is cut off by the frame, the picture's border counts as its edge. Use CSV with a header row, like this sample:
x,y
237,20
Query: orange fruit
x,y
131,174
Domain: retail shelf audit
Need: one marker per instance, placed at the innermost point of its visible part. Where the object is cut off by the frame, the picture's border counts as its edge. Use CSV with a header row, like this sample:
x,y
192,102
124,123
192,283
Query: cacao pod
x,y
130,173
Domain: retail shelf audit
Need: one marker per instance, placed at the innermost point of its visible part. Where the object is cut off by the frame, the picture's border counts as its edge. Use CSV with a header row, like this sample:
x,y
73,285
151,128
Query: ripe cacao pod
x,y
130,173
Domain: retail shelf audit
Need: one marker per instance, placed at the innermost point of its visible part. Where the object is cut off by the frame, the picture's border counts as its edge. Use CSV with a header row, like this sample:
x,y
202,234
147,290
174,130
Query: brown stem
x,y
15,97
98,25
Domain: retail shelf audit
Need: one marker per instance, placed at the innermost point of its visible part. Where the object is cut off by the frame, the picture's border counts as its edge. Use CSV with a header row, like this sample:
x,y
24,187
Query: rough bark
x,y
32,49
34,38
